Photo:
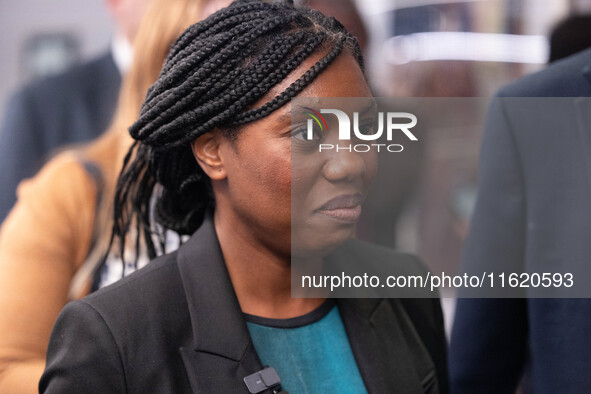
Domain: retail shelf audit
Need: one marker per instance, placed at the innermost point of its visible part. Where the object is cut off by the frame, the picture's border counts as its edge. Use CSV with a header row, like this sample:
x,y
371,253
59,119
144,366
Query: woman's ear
x,y
207,152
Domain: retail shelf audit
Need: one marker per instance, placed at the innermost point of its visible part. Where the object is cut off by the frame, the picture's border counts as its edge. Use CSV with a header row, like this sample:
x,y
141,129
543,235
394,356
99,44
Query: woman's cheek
x,y
371,166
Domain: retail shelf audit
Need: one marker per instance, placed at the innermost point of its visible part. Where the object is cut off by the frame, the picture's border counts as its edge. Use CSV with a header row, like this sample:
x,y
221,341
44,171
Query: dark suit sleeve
x,y
488,341
83,356
21,147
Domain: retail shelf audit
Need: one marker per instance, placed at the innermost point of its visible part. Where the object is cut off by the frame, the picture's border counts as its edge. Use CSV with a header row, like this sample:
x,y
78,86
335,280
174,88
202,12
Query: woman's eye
x,y
367,128
306,135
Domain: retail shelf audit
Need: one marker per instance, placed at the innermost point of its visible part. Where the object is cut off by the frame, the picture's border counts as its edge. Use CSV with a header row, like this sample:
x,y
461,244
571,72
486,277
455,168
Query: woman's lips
x,y
345,208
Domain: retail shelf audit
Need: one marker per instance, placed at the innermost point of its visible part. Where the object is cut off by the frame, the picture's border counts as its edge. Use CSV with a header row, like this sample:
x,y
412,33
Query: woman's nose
x,y
345,165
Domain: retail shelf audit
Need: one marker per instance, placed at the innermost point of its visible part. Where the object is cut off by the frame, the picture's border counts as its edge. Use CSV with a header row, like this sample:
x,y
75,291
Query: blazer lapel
x,y
389,354
213,373
222,353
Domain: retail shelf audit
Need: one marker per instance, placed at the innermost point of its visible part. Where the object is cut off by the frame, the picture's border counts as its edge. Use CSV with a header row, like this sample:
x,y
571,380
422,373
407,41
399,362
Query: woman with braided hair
x,y
212,159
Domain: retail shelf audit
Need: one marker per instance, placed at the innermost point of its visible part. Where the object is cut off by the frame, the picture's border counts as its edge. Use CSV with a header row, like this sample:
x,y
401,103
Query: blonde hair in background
x,y
162,24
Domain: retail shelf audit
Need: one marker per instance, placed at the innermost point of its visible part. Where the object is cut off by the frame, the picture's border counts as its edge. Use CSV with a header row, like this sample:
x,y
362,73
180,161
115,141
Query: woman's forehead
x,y
342,78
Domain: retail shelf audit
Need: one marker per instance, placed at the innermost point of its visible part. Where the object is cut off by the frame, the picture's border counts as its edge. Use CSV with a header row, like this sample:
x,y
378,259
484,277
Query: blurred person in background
x,y
569,37
54,238
533,213
74,106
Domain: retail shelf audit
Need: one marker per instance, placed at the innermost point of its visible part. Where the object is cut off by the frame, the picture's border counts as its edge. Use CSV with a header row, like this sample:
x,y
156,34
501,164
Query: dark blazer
x,y
175,326
71,107
533,211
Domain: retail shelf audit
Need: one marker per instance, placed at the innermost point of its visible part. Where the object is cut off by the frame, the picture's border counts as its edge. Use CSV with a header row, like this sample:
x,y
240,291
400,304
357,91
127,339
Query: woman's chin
x,y
317,245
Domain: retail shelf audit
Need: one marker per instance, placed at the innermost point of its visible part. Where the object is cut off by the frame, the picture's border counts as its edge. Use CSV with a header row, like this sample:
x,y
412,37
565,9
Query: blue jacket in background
x,y
72,107
533,210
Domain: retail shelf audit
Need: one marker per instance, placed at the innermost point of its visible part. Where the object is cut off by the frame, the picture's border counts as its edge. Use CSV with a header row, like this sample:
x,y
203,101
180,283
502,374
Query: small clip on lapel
x,y
265,379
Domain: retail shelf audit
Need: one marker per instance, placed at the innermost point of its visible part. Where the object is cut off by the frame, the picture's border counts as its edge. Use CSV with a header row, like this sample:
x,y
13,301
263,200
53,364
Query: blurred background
x,y
416,48
493,41
39,38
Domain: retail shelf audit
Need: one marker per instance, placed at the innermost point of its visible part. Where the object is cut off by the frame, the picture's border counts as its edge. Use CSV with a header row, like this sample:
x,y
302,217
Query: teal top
x,y
311,353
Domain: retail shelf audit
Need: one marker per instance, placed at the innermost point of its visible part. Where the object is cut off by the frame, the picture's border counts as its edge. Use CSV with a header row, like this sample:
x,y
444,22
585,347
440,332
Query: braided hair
x,y
213,75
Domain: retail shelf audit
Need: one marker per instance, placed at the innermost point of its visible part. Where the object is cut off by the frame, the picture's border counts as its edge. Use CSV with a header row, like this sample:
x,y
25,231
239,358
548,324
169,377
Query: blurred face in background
x,y
127,15
211,6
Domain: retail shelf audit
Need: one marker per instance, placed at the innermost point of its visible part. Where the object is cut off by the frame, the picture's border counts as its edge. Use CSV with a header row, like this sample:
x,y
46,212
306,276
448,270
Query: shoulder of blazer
x,y
159,274
154,290
123,338
568,77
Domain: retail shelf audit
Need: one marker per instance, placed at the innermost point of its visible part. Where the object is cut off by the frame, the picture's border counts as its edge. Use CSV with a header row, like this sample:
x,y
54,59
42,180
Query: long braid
x,y
196,90
223,19
213,76
232,101
291,91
